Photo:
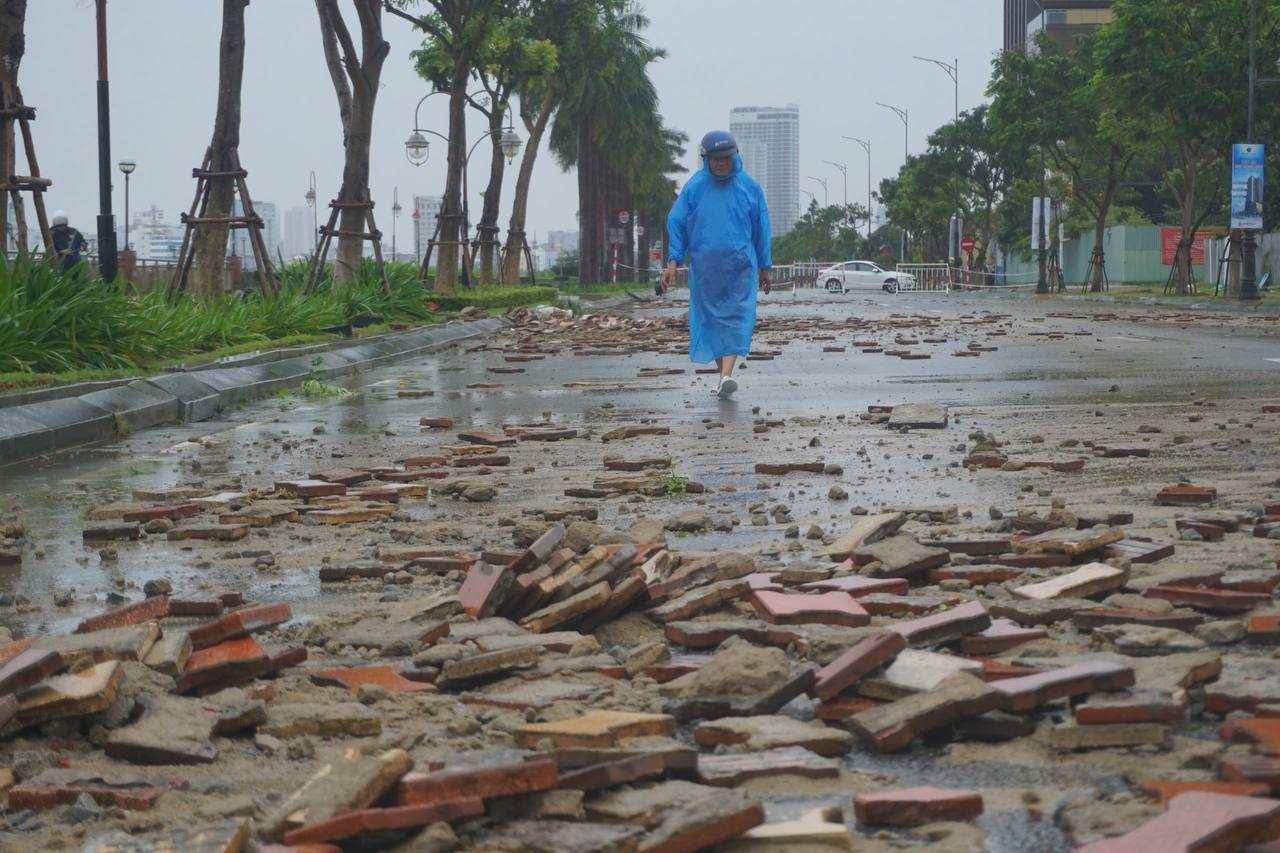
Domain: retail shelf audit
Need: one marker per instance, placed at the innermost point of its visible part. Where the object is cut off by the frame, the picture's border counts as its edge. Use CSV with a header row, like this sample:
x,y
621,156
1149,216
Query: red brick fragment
x,y
240,623
1032,691
310,488
386,677
780,468
1164,790
843,707
916,806
1102,616
1187,495
1136,706
28,667
864,657
385,820
1264,628
1217,600
173,513
147,610
1000,636
210,607
132,796
226,664
968,618
830,608
1139,550
1250,767
484,589
1207,823
496,780
436,423
1263,733
858,585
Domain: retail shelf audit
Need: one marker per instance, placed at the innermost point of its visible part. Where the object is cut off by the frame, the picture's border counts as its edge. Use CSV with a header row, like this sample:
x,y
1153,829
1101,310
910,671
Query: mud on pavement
x,y
946,578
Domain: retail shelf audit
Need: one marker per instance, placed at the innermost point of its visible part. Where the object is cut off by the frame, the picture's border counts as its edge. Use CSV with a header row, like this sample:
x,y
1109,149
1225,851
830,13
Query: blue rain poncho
x,y
721,227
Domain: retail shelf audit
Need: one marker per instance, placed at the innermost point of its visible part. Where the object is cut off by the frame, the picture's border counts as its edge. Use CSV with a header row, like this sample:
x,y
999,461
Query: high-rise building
x,y
1063,20
272,236
299,239
769,141
426,210
153,238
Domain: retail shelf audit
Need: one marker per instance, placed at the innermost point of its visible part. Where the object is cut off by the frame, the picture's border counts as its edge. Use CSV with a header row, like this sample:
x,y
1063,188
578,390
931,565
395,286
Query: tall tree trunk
x,y
487,228
13,45
451,225
208,274
520,203
356,79
1182,261
588,207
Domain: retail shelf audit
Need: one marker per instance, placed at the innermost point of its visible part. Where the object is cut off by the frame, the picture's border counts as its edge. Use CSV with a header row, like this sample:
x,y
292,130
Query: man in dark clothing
x,y
68,242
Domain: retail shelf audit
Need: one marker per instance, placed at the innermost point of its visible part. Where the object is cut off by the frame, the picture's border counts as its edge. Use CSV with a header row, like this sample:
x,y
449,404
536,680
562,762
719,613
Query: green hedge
x,y
494,297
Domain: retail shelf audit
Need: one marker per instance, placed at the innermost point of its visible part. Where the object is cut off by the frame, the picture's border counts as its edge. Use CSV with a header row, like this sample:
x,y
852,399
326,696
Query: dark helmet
x,y
717,143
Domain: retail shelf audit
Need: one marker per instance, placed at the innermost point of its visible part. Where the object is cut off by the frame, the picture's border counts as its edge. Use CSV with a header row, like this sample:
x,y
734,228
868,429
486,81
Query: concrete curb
x,y
53,425
1225,306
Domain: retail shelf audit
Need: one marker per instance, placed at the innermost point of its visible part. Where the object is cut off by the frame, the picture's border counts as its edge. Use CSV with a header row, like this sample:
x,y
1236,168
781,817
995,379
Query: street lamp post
x,y
315,225
127,166
822,181
866,146
108,263
395,220
906,155
953,71
1249,254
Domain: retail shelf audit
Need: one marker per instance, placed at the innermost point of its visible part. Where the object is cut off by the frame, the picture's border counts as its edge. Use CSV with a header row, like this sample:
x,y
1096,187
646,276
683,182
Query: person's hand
x,y
766,281
669,275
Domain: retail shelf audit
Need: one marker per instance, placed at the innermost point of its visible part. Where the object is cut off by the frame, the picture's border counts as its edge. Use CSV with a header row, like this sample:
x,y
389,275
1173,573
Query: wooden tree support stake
x,y
248,220
12,110
331,230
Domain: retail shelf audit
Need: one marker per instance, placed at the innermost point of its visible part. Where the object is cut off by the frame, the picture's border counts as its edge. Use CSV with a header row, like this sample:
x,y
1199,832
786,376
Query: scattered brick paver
x,y
28,667
595,729
173,513
916,806
947,626
1187,495
1000,636
484,589
732,770
1164,790
1088,580
130,614
1032,691
1133,706
1263,733
773,732
858,585
830,608
892,726
495,780
1216,600
74,694
110,788
864,657
387,677
240,623
310,488
1202,822
780,468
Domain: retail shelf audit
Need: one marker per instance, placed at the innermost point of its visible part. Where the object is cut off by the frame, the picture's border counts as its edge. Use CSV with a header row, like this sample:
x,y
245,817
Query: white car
x,y
850,275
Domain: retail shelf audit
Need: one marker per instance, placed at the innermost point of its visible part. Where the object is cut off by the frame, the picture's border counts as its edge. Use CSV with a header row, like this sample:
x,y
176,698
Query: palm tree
x,y
608,112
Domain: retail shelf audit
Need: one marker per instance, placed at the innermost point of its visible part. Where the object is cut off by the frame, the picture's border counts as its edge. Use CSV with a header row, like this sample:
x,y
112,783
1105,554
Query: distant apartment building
x,y
153,238
299,238
769,140
562,241
1063,20
426,210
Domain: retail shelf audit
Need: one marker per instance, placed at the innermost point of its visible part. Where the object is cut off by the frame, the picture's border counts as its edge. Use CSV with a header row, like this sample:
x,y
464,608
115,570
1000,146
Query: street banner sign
x,y
1246,186
1037,205
1169,244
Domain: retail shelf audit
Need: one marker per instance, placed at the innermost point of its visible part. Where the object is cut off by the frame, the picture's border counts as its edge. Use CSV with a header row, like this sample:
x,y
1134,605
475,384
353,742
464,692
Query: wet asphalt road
x,y
1155,361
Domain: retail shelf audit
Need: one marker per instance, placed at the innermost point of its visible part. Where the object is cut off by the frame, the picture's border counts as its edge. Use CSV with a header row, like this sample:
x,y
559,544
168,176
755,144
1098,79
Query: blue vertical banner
x,y
1246,186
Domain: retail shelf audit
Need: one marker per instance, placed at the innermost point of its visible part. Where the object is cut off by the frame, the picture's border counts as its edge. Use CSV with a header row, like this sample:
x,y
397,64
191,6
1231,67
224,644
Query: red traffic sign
x,y
967,244
624,216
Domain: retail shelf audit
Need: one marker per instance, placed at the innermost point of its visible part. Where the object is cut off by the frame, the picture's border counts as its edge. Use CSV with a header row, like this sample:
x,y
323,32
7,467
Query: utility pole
x,y
1042,280
108,262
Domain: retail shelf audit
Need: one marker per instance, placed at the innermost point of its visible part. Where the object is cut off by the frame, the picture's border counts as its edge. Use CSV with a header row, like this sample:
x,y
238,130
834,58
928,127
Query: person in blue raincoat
x,y
720,226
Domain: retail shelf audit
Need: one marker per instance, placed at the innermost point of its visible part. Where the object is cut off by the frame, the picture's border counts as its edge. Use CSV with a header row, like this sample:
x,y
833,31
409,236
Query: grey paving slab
x,y
137,405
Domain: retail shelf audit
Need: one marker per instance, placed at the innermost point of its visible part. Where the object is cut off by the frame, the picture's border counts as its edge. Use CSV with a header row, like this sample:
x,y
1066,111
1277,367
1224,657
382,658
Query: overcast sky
x,y
834,58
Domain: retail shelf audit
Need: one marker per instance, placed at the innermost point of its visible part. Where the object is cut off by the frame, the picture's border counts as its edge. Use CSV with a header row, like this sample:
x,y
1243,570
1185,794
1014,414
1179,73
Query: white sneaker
x,y
727,386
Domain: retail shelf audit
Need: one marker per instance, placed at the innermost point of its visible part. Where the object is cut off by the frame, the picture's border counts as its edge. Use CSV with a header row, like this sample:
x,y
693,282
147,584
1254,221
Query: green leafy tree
x,y
824,234
1180,68
458,30
511,53
1055,101
921,199
607,118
